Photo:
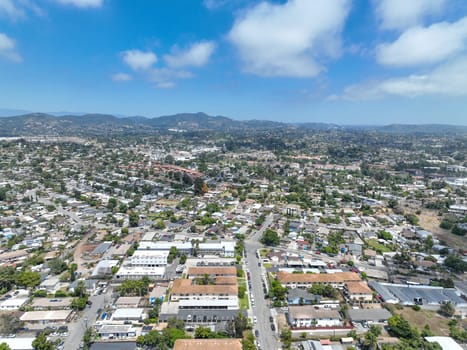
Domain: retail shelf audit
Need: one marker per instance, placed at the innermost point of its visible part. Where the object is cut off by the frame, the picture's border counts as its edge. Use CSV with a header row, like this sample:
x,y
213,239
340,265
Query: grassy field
x,y
430,221
373,243
437,323
243,302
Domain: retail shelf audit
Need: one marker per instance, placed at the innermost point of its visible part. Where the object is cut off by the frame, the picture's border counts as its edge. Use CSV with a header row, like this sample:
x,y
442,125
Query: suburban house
x,y
358,291
298,296
308,316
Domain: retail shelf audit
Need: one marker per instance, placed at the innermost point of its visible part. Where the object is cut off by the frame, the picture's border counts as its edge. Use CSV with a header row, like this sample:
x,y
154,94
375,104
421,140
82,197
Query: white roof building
x,y
18,343
13,303
149,258
446,343
137,272
128,314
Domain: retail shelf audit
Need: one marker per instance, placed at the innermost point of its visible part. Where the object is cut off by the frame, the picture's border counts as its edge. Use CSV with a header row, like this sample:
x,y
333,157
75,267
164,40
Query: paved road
x,y
62,211
85,319
267,338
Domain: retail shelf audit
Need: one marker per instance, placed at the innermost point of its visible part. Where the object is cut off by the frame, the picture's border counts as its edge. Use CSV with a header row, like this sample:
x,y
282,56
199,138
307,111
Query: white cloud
x,y
139,60
8,49
6,43
82,3
121,77
165,77
214,4
428,45
11,10
448,79
287,40
401,14
166,85
19,9
196,55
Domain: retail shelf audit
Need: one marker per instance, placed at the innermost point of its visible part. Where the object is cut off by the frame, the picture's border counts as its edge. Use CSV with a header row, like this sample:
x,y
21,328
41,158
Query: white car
x,y
255,320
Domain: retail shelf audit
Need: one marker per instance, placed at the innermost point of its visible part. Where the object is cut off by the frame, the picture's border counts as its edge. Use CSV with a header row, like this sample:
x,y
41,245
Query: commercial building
x,y
299,280
208,344
211,271
18,343
46,317
137,272
149,258
51,303
369,315
13,303
120,331
128,314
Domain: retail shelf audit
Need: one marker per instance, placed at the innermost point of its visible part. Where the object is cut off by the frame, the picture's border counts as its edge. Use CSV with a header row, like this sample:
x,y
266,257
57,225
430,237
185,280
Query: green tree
x,y
270,237
4,346
455,263
80,289
203,333
28,279
447,309
371,337
200,187
400,327
79,303
57,266
41,343
112,203
133,219
72,269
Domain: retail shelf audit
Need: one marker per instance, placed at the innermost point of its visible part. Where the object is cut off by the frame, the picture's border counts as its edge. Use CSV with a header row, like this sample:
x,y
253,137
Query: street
x,y
85,319
267,338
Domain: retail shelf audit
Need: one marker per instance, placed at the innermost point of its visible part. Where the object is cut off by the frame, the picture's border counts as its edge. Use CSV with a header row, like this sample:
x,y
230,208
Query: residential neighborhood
x,y
124,242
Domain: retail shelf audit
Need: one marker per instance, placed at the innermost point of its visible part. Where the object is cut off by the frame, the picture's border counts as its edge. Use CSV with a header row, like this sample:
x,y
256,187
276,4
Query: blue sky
x,y
340,61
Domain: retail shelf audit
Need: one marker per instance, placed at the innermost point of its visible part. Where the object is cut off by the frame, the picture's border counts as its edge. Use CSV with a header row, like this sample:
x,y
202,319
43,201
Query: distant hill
x,y
34,124
422,129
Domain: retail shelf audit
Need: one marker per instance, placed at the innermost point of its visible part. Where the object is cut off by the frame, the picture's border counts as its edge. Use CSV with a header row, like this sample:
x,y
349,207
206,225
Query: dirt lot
x,y
437,323
430,221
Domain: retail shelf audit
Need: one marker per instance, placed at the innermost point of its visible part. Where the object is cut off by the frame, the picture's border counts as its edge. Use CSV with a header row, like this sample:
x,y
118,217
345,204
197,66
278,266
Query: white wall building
x,y
149,258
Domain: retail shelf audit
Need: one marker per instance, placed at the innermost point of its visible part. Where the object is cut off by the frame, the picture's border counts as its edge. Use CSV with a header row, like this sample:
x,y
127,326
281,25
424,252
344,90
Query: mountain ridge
x,y
33,124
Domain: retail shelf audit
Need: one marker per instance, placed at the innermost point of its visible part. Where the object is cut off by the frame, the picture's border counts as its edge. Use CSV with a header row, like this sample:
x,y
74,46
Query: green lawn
x,y
373,243
243,301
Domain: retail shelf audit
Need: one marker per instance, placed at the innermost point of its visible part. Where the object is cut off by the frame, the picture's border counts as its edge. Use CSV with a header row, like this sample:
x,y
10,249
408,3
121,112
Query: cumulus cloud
x,y
448,79
8,49
139,60
165,77
428,45
82,3
121,77
289,39
197,55
19,9
11,10
402,14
